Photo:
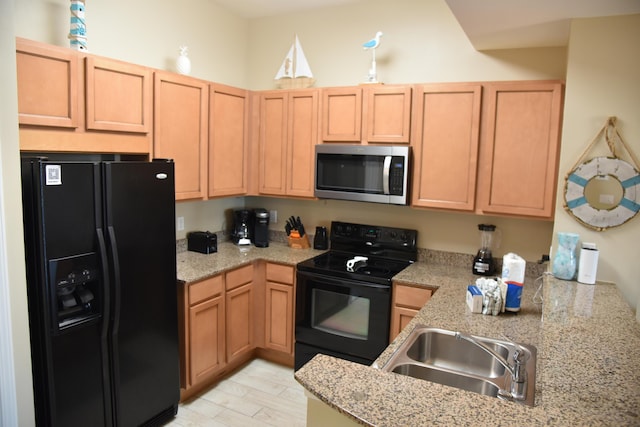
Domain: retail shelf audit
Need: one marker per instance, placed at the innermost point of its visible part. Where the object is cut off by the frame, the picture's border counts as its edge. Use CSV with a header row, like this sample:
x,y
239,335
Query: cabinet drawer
x,y
280,273
239,277
205,289
408,296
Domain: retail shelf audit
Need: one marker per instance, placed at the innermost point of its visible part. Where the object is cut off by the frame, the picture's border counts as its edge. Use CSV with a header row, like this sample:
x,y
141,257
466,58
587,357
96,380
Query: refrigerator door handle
x,y
115,321
104,331
116,279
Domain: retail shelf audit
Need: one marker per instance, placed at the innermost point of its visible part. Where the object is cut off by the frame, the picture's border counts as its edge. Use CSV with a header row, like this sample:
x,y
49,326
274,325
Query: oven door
x,y
341,315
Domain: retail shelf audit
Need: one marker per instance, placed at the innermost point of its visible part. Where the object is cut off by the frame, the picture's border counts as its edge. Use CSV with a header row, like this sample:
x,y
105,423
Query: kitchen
x,y
216,36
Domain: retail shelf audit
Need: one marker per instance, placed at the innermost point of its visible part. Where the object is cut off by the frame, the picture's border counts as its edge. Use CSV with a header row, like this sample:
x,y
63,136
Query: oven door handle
x,y
386,168
339,281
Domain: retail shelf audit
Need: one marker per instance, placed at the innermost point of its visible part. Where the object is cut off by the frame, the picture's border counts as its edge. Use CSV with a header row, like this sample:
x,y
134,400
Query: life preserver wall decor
x,y
603,192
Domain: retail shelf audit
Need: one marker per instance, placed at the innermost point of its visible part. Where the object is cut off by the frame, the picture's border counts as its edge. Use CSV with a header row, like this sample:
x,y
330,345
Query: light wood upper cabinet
x,y
105,107
118,96
180,130
367,114
387,114
228,139
445,145
302,136
342,114
273,143
519,149
48,85
288,134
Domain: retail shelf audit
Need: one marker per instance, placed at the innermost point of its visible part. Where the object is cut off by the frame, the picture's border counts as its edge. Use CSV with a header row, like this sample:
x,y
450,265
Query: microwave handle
x,y
385,174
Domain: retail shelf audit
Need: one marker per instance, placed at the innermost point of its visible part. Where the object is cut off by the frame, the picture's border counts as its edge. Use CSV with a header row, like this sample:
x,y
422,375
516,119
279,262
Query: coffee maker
x,y
242,232
261,228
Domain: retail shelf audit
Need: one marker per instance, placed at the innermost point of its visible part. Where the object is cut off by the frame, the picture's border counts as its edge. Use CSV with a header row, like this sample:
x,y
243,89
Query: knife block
x,y
299,242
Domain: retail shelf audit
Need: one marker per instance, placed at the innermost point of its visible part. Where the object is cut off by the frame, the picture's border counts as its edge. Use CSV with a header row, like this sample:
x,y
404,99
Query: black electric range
x,y
343,297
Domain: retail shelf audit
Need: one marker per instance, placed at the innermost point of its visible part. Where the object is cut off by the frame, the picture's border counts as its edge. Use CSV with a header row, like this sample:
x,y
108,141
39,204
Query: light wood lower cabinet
x,y
406,302
201,319
239,312
279,290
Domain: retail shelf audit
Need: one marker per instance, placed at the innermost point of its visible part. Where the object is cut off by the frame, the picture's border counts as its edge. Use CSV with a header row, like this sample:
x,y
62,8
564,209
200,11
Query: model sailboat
x,y
294,71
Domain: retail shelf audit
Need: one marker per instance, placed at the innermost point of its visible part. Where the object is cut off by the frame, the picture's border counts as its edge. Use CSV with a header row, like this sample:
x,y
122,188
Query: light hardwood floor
x,y
262,393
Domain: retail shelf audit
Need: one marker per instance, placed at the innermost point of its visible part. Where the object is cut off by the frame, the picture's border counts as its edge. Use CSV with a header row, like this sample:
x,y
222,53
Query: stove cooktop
x,y
388,251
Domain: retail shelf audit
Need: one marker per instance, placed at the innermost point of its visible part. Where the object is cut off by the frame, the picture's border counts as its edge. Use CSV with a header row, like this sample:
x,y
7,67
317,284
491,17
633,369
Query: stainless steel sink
x,y
469,363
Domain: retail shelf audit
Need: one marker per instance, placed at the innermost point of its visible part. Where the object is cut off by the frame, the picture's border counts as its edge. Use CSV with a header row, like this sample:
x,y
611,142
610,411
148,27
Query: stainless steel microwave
x,y
364,173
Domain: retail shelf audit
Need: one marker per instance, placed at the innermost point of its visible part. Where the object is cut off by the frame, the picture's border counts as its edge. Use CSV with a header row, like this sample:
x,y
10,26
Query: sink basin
x,y
437,355
452,379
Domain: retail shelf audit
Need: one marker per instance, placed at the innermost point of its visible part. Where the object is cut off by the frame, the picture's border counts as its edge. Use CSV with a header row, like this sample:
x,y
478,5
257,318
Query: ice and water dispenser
x,y
76,289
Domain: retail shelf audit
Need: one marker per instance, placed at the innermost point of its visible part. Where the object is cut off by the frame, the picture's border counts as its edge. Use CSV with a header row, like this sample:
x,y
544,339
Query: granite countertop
x,y
588,341
194,266
588,369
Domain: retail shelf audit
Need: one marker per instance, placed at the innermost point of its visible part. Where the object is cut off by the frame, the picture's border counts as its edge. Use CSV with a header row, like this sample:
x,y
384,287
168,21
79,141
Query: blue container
x,y
514,295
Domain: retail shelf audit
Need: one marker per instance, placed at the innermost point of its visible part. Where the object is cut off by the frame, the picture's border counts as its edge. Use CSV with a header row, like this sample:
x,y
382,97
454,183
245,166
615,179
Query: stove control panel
x,y
344,232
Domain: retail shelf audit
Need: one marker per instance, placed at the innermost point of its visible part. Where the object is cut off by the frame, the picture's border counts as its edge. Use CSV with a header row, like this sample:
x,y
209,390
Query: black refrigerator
x,y
101,285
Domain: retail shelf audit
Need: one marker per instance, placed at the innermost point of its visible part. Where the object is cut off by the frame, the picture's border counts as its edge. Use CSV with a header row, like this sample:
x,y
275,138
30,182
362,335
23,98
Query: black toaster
x,y
202,241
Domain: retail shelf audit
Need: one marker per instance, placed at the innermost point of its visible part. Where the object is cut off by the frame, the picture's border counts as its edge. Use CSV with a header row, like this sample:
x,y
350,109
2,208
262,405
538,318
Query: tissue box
x,y
474,299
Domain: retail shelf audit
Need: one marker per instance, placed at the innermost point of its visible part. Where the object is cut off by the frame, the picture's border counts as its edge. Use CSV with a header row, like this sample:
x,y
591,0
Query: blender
x,y
483,263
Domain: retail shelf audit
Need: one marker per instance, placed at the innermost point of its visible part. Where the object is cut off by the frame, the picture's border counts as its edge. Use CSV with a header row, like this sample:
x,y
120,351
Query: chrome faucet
x,y
518,371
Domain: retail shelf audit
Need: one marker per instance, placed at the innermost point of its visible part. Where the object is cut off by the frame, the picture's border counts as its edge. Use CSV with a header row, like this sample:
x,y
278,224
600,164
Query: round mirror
x,y
603,192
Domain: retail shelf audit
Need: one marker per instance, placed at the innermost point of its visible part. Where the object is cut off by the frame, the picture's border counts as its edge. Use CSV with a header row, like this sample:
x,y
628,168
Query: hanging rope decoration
x,y
77,27
604,168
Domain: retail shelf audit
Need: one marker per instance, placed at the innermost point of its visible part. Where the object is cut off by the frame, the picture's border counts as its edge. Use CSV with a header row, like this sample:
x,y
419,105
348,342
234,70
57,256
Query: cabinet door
x,y
407,301
302,138
48,85
118,96
180,131
342,114
445,145
206,337
279,316
239,321
273,143
279,307
228,138
387,114
520,144
400,318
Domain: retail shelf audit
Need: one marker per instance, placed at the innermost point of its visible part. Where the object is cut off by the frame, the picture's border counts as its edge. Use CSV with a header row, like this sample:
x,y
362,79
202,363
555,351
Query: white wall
x,y
422,42
148,32
603,79
16,393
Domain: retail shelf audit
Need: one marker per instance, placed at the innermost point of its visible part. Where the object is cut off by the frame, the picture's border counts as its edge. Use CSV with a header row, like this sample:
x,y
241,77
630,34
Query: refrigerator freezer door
x,y
140,223
62,216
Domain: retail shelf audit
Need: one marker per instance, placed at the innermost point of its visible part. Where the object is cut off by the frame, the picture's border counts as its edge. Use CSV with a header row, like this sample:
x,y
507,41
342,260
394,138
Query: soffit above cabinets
x,y
507,24
489,24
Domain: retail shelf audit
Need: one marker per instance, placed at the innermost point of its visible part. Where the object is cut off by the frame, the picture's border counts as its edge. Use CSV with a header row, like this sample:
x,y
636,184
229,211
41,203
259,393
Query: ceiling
x,y
489,24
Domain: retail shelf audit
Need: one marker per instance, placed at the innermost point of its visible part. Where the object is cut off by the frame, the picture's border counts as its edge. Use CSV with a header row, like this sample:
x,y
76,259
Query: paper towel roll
x,y
588,266
513,267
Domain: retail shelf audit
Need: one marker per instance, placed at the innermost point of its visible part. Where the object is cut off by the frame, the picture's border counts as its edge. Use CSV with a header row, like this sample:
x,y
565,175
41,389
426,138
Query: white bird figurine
x,y
374,42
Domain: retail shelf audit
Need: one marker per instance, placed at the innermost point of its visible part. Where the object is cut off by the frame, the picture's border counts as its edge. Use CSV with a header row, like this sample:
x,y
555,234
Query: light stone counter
x,y
194,266
588,365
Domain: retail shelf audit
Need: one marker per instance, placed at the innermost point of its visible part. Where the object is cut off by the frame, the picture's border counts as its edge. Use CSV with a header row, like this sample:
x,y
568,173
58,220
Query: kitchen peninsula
x,y
588,372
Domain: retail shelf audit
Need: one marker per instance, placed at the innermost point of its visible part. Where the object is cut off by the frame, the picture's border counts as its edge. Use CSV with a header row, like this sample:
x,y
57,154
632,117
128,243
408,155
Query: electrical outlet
x,y
273,216
180,223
